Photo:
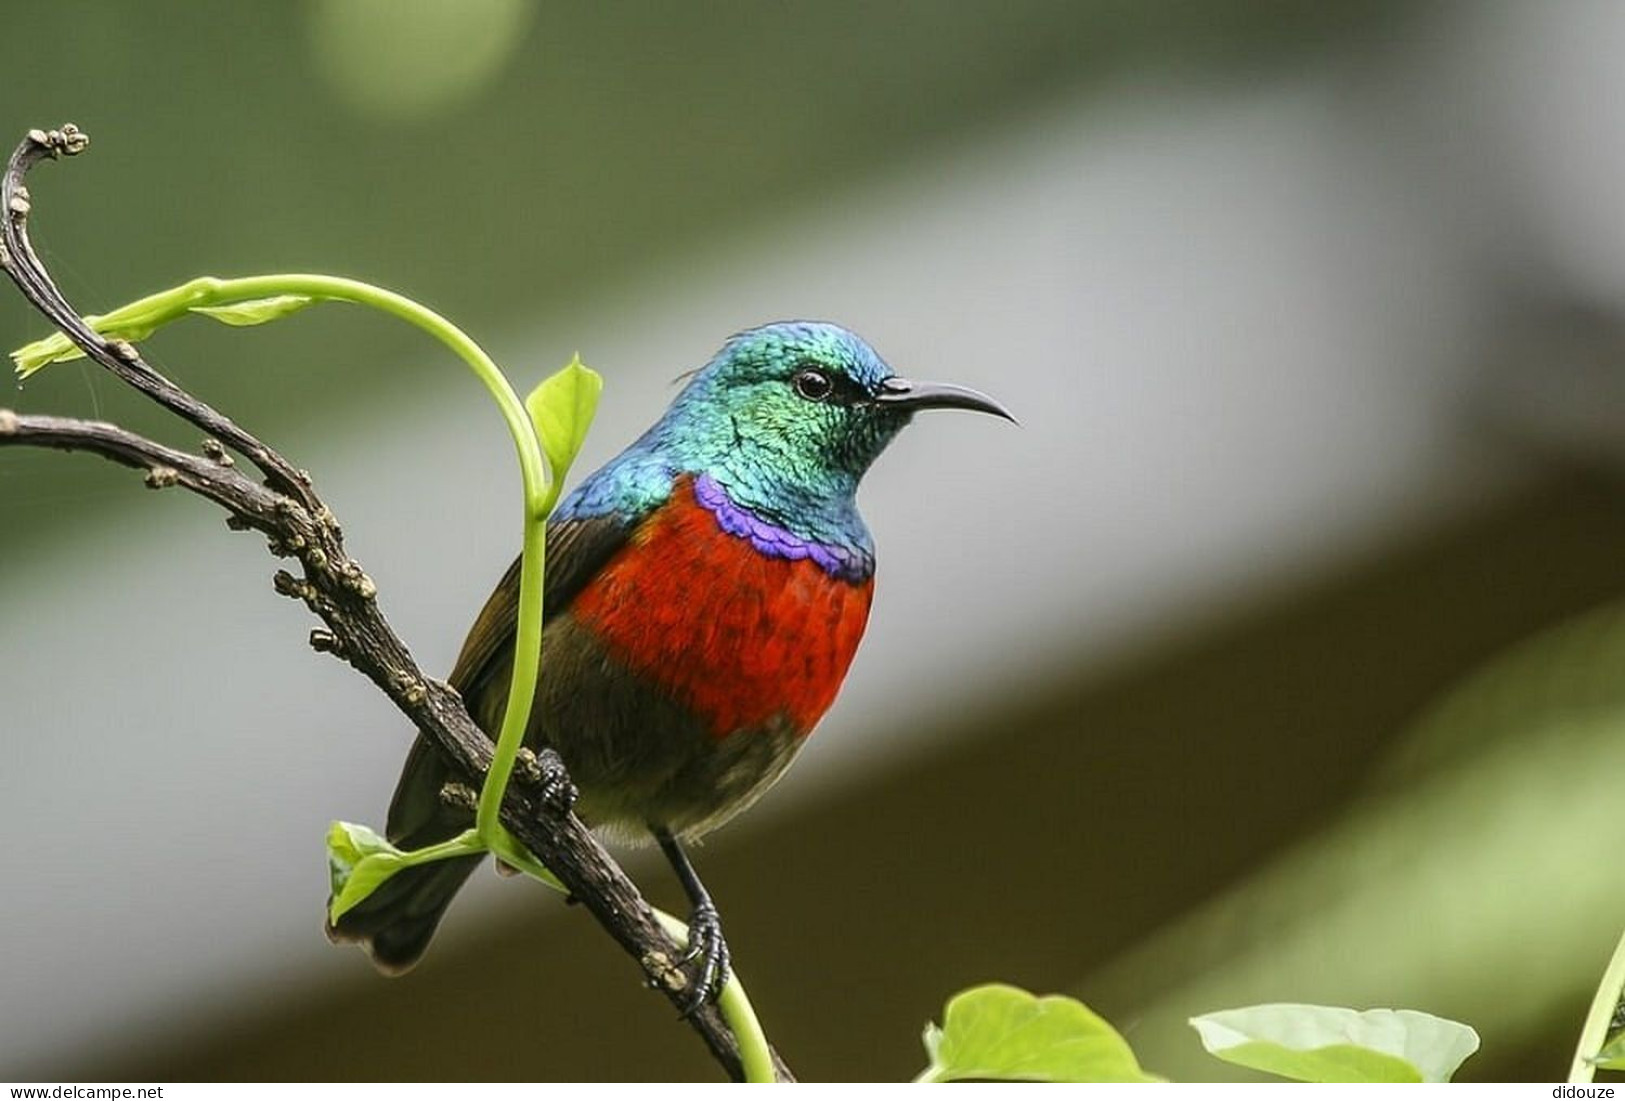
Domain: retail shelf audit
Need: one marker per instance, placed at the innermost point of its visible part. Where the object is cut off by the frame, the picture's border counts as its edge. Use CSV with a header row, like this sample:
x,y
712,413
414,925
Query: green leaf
x,y
561,409
1612,1055
57,348
141,318
1003,1032
257,311
1317,1043
358,860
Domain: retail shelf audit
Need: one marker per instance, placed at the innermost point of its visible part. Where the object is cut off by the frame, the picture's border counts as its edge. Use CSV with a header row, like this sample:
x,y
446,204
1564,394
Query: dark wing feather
x,y
396,922
576,550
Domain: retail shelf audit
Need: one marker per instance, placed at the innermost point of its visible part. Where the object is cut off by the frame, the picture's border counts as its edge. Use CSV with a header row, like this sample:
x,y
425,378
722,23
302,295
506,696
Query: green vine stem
x,y
1595,1031
255,299
284,293
734,1004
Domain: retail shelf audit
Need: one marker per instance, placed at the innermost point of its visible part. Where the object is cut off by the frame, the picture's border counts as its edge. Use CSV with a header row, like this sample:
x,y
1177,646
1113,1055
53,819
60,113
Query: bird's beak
x,y
900,393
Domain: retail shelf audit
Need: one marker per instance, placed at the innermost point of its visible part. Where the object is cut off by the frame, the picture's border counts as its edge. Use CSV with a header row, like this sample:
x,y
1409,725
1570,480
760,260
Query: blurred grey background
x,y
1273,658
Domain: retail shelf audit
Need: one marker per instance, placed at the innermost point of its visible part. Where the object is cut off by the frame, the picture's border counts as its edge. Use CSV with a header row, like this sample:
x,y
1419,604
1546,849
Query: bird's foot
x,y
708,951
547,771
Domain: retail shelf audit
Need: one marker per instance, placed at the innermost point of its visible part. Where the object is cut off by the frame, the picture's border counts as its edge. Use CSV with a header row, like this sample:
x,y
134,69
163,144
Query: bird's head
x,y
794,413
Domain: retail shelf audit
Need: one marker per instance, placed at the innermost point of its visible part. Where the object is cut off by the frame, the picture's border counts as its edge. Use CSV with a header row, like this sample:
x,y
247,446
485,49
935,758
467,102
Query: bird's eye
x,y
812,384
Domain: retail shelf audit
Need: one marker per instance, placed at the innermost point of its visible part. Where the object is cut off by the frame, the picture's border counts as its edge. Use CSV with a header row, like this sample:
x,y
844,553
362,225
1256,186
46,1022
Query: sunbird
x,y
705,592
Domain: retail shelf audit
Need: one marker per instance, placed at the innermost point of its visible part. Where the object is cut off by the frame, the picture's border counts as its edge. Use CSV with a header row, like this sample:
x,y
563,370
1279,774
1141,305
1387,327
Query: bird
x,y
705,593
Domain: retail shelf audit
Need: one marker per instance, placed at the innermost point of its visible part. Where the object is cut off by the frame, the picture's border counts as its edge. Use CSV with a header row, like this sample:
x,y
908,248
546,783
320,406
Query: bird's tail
x,y
395,923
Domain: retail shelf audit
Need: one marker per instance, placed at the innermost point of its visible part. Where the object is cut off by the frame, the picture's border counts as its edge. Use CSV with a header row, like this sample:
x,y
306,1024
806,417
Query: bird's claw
x,y
545,769
709,952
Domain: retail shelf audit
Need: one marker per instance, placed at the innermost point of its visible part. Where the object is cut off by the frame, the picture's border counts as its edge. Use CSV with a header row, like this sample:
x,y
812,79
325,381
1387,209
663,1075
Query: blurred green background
x,y
1271,660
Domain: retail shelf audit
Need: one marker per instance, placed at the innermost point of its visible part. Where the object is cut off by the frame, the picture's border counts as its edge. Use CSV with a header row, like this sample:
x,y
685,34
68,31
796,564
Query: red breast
x,y
734,634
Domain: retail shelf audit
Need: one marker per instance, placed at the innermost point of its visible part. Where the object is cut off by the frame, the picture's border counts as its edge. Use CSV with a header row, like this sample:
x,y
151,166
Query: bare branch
x,y
288,510
118,356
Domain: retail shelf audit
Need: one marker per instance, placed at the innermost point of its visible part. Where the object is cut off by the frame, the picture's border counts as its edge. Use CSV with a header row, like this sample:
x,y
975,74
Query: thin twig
x,y
118,356
288,510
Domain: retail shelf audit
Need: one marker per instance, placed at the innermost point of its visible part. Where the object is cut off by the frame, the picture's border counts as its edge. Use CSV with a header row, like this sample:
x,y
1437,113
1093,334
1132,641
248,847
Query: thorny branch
x,y
288,511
